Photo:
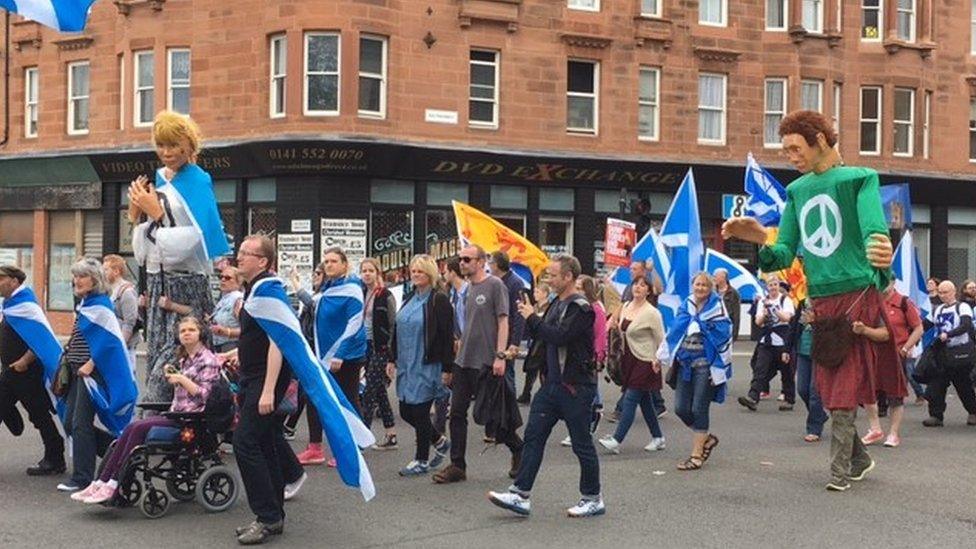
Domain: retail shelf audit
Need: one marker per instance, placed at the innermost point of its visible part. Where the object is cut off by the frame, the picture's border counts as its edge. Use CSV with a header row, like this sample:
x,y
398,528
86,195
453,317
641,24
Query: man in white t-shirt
x,y
773,317
954,321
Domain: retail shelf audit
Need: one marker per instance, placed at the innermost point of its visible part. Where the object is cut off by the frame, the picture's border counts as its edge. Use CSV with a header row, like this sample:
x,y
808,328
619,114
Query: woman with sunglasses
x,y
225,326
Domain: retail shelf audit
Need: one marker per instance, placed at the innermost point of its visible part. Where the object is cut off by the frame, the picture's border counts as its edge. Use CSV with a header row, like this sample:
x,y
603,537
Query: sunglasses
x,y
225,277
464,259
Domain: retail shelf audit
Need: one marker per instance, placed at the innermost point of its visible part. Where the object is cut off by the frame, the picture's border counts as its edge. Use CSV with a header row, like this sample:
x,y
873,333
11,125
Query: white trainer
x,y
512,502
610,444
655,445
292,488
587,508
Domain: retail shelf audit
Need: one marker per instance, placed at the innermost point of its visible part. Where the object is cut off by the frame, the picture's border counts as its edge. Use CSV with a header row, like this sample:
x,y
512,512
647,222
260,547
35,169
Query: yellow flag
x,y
481,229
793,275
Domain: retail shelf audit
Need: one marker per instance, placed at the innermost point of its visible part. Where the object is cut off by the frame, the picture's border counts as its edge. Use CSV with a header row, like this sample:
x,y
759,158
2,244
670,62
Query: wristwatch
x,y
501,355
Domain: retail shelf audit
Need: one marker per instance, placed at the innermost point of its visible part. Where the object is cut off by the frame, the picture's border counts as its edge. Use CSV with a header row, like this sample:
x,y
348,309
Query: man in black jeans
x,y
484,344
567,393
22,379
954,320
258,439
772,355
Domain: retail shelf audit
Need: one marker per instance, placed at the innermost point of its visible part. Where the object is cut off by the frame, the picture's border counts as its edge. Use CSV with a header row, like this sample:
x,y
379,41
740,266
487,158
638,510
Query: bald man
x,y
954,321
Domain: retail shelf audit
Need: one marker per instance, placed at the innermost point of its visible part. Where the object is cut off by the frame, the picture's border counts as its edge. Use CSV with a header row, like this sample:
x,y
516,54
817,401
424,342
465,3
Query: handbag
x,y
62,378
959,357
671,378
615,353
928,368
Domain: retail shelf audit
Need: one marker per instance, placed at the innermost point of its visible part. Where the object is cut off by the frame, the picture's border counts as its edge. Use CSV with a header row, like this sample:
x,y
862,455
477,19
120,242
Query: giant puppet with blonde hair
x,y
177,235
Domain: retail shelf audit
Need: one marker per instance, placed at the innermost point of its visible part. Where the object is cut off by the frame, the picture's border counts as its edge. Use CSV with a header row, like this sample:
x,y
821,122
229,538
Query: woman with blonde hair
x,y
177,235
423,348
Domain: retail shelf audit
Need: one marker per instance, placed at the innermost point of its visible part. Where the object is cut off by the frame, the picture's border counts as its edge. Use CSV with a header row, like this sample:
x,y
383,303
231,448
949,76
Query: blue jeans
x,y
554,402
87,441
909,365
632,398
816,416
693,398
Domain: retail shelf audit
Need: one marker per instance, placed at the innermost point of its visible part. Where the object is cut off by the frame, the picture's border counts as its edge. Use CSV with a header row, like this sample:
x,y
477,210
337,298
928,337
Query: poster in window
x,y
295,255
620,239
348,234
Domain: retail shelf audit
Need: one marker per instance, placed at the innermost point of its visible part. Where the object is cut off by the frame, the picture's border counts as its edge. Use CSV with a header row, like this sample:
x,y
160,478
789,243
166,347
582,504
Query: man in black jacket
x,y
567,393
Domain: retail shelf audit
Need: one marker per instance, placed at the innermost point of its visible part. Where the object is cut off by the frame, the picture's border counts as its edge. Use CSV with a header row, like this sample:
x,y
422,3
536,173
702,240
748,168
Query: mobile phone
x,y
170,369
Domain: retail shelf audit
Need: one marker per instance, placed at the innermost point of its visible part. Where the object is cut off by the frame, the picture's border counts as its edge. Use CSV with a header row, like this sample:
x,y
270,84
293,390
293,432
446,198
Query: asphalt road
x,y
762,487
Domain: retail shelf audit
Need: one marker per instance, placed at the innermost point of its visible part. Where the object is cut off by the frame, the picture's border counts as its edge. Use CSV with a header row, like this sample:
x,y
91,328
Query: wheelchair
x,y
185,459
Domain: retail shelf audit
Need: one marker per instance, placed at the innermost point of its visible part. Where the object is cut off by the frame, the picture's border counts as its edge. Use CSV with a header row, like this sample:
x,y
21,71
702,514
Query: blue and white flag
x,y
739,278
714,324
681,233
115,397
339,329
268,305
648,248
909,280
26,317
61,15
897,202
766,197
194,188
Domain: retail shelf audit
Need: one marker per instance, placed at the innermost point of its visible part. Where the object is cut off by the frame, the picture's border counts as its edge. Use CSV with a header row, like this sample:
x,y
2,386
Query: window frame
x,y
595,8
382,76
785,6
657,13
595,96
170,86
338,74
838,99
820,16
877,121
880,8
723,126
138,90
496,64
926,121
972,128
778,144
820,88
910,123
32,82
723,11
913,26
655,105
72,98
274,77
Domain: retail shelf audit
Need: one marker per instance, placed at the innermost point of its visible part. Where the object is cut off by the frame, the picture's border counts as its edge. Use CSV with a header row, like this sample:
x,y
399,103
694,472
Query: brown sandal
x,y
710,443
693,463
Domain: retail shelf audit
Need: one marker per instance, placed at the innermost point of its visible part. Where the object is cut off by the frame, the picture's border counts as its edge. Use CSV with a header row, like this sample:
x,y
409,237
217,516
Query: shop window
x,y
556,235
516,222
442,237
261,211
391,241
962,257
562,200
16,241
441,194
509,197
62,254
391,192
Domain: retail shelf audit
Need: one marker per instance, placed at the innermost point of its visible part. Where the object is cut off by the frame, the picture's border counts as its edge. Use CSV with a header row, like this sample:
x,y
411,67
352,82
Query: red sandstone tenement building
x,y
542,112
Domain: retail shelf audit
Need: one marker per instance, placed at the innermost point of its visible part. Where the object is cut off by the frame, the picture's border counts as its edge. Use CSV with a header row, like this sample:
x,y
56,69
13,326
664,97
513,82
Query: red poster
x,y
620,241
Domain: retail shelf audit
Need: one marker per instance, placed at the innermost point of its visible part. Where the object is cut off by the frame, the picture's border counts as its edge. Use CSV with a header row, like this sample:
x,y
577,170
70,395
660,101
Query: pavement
x,y
762,487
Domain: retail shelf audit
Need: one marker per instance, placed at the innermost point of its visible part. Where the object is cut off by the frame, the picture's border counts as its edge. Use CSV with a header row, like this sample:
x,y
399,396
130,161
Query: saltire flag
x,y
478,228
739,278
194,188
909,280
765,200
648,248
115,397
715,326
346,339
765,196
268,304
681,233
26,317
61,15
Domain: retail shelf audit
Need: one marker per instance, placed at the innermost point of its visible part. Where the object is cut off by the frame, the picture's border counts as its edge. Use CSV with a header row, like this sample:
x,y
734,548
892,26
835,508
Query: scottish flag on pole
x,y
25,316
115,397
766,196
909,280
269,306
648,248
739,278
61,15
681,233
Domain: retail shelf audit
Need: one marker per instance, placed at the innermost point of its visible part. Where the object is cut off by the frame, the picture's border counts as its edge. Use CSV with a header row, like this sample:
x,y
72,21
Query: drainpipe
x,y
6,80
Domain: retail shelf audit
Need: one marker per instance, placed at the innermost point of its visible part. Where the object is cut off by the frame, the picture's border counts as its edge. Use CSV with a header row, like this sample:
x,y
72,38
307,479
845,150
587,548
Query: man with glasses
x,y
22,377
484,344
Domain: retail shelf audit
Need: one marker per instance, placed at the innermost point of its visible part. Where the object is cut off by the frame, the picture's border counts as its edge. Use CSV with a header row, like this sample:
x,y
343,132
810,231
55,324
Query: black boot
x,y
47,467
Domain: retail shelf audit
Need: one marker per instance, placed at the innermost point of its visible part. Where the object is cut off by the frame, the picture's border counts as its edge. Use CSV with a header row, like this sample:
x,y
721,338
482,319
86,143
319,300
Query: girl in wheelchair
x,y
198,370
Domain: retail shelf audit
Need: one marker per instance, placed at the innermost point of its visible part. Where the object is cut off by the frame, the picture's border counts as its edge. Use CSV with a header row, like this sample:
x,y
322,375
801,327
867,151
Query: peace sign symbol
x,y
821,211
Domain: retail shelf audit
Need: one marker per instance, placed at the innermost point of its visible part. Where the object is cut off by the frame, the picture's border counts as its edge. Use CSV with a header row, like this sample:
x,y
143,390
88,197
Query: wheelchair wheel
x,y
130,489
217,489
154,503
181,486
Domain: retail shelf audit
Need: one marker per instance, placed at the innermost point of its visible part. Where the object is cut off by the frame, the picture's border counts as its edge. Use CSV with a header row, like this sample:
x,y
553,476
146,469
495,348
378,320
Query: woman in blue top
x,y
424,349
700,345
340,340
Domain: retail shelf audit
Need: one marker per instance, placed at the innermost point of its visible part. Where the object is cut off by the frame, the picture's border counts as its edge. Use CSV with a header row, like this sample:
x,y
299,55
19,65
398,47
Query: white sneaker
x,y
587,508
512,502
567,442
88,492
292,488
655,445
610,444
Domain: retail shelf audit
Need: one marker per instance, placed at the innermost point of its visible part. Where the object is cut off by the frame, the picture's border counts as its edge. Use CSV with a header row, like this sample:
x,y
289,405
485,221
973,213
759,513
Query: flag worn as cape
x,y
345,431
715,326
114,399
195,188
339,330
478,228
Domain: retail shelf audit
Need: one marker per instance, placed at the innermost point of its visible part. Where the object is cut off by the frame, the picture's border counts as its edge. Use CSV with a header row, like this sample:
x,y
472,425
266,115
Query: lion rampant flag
x,y
793,275
478,228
